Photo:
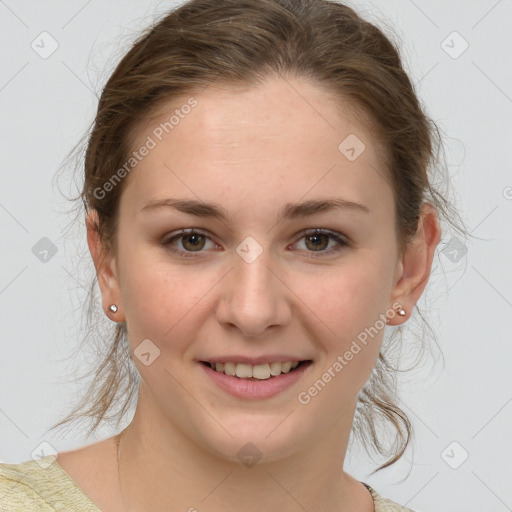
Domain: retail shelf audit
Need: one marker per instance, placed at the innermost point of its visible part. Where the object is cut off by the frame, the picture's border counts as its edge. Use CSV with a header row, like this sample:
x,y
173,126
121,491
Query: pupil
x,y
193,241
316,239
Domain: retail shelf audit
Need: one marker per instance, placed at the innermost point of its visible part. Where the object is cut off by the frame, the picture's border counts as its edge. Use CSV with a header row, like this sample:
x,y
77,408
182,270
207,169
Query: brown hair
x,y
242,42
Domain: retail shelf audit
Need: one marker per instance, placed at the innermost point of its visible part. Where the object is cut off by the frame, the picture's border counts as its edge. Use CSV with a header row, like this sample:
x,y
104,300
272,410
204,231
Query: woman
x,y
258,209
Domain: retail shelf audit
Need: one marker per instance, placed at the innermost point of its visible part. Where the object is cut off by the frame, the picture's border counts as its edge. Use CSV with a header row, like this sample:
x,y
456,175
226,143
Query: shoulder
x,y
384,504
40,485
20,486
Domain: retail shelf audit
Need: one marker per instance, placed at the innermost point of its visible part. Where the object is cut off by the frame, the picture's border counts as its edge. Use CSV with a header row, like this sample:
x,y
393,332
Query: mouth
x,y
257,372
255,382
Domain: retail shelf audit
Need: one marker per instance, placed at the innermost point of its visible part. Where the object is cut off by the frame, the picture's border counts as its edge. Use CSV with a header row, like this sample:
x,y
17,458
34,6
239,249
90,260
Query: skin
x,y
252,150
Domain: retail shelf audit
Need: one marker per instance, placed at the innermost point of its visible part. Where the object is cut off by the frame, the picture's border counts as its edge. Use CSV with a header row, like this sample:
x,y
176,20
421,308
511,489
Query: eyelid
x,y
322,231
186,231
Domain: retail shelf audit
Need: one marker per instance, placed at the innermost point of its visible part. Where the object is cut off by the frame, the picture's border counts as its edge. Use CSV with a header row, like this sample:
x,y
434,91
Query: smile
x,y
255,381
258,371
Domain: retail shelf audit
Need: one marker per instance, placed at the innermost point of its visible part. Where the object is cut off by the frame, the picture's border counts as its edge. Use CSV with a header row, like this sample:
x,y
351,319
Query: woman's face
x,y
253,284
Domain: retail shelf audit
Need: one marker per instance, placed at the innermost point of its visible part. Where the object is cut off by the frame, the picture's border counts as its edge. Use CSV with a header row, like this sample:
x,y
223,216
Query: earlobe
x,y
106,271
417,260
397,309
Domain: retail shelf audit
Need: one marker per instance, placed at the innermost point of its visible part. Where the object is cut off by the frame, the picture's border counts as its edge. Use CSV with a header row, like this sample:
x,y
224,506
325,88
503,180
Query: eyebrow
x,y
289,211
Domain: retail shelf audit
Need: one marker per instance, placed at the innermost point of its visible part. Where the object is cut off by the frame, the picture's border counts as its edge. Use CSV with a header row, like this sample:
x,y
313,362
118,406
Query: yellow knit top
x,y
42,485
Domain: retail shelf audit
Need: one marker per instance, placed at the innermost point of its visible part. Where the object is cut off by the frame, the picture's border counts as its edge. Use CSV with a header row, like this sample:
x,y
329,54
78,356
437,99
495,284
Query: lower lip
x,y
256,389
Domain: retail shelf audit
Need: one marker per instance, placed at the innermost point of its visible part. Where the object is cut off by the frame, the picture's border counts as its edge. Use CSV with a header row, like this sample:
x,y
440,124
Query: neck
x,y
160,467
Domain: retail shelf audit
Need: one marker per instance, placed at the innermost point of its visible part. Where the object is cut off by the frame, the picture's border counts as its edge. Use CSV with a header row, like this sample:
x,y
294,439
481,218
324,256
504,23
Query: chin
x,y
255,439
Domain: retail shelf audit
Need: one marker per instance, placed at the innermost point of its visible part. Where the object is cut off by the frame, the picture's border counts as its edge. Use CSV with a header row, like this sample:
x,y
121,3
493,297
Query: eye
x,y
186,242
190,240
317,240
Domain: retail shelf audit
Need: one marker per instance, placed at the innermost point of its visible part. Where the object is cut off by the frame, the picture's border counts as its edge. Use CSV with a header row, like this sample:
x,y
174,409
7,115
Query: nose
x,y
254,298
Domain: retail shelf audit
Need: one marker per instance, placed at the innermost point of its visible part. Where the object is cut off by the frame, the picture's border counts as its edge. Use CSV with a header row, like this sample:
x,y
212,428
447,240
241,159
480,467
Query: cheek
x,y
350,303
350,306
159,299
352,295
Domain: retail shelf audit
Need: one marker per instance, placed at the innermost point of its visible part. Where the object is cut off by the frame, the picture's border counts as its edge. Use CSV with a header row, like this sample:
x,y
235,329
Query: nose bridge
x,y
254,298
253,281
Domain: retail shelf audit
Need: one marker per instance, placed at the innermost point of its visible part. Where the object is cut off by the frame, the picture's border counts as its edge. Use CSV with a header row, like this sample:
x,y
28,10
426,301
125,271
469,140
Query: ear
x,y
413,270
106,269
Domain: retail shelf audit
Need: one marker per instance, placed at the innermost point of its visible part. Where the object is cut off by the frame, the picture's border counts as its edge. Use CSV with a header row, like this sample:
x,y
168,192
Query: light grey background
x,y
46,105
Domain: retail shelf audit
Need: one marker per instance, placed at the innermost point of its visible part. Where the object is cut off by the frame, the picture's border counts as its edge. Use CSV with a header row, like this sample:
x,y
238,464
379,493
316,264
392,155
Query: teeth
x,y
243,370
258,371
229,369
261,371
275,368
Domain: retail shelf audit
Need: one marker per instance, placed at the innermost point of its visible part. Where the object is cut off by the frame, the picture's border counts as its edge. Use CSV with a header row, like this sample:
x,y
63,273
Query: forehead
x,y
283,139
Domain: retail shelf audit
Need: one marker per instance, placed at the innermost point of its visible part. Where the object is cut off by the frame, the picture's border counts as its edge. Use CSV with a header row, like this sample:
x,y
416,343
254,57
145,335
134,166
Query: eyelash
x,y
341,240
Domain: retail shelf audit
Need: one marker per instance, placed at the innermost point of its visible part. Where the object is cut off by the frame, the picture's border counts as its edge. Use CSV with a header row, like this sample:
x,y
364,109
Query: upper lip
x,y
255,360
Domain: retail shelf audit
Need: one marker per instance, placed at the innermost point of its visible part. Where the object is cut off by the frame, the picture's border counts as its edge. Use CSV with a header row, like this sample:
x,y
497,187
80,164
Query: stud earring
x,y
401,311
113,308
